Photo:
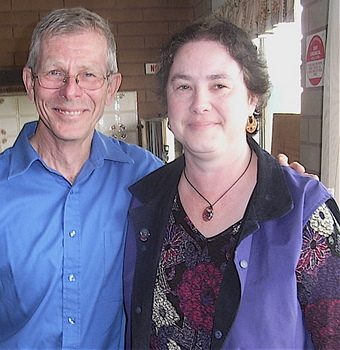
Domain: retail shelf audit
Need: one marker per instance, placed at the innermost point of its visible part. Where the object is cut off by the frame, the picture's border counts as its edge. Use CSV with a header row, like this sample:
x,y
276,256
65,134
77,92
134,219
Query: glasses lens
x,y
56,80
90,81
51,80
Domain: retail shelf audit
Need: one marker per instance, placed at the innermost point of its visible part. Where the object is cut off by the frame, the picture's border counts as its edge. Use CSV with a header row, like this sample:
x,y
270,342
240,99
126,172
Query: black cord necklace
x,y
208,212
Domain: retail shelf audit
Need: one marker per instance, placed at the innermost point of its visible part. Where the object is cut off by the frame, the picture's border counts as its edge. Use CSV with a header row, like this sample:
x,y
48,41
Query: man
x,y
64,194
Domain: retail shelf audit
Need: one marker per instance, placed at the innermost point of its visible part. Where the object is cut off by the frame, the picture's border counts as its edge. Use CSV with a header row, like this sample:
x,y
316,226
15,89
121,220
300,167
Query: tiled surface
x,y
14,112
120,119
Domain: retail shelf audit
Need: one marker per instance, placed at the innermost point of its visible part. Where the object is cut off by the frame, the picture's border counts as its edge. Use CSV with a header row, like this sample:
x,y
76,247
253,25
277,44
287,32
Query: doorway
x,y
282,50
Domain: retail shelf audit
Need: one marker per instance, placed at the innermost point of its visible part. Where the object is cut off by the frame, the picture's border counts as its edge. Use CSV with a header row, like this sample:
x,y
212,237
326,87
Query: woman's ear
x,y
253,100
28,80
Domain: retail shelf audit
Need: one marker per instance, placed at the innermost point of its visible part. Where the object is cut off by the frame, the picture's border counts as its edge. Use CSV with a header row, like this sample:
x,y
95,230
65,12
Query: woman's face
x,y
208,102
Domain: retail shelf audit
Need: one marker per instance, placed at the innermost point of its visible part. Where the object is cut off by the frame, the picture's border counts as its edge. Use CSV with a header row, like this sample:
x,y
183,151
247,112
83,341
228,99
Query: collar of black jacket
x,y
271,197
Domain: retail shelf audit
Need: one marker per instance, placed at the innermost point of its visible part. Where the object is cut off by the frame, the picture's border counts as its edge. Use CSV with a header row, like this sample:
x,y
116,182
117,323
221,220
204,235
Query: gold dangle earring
x,y
252,124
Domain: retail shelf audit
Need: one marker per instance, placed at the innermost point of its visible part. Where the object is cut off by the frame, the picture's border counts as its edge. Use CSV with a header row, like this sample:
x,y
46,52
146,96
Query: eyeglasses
x,y
55,79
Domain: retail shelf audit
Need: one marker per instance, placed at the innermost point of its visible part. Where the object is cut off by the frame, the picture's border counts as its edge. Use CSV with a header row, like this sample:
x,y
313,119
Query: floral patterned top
x,y
191,268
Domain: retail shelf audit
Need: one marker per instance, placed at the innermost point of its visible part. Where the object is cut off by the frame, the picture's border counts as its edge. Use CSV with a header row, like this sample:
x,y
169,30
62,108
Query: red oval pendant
x,y
207,214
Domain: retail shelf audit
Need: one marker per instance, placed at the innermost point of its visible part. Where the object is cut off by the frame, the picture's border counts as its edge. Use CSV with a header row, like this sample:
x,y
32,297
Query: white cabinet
x,y
120,120
15,111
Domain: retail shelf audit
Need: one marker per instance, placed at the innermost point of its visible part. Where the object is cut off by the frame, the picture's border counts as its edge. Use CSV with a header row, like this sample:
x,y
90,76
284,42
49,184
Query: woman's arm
x,y
318,276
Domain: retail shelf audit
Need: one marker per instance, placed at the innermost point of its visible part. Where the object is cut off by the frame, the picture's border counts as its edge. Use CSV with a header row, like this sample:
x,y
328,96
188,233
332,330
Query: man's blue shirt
x,y
61,246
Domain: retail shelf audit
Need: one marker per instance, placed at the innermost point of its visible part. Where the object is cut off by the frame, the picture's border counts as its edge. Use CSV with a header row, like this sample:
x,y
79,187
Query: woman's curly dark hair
x,y
235,41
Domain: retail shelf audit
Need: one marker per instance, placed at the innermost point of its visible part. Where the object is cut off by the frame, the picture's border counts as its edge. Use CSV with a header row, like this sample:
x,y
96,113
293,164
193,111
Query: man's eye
x,y
54,72
88,75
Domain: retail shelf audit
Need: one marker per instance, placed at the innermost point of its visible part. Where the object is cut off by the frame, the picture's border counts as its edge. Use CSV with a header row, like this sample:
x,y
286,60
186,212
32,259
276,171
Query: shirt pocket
x,y
112,287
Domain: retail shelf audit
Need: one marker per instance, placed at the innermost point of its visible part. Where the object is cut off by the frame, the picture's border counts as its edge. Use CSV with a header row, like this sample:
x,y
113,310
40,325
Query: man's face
x,y
70,113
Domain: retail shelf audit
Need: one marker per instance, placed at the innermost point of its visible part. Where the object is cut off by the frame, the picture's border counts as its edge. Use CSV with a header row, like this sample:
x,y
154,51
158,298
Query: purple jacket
x,y
257,307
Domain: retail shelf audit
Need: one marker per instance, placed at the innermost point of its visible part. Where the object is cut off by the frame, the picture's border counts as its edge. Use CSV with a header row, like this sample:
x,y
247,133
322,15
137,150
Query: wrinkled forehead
x,y
79,48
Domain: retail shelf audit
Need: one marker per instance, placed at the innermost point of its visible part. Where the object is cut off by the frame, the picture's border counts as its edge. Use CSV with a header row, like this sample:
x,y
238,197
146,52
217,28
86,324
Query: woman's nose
x,y
200,102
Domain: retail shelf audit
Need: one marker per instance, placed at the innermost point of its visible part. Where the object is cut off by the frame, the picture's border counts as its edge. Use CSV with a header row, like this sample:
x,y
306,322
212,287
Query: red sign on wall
x,y
151,68
315,59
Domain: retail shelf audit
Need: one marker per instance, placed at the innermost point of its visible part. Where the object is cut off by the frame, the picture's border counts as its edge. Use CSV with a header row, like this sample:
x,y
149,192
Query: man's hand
x,y
283,160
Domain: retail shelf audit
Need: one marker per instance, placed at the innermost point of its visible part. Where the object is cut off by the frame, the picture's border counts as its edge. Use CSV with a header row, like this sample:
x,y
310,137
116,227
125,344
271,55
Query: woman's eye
x,y
183,87
219,86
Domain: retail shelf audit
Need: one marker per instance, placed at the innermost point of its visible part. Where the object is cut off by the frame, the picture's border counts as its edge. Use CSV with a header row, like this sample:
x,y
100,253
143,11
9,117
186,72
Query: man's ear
x,y
28,80
114,82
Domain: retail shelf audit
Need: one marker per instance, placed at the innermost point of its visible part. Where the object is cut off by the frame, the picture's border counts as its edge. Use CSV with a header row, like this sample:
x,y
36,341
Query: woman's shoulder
x,y
163,179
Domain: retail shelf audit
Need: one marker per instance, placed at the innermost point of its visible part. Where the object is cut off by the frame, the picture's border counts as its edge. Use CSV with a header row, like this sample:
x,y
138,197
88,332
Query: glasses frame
x,y
66,79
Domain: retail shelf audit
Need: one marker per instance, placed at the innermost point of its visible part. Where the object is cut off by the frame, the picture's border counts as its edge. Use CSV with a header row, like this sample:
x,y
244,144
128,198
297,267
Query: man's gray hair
x,y
70,21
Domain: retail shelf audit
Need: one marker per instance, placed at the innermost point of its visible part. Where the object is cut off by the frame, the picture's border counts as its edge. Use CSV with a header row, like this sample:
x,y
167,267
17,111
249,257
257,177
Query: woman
x,y
226,249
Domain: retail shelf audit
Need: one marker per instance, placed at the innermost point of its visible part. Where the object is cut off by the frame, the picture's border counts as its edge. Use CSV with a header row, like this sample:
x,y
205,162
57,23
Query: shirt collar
x,y
23,154
107,148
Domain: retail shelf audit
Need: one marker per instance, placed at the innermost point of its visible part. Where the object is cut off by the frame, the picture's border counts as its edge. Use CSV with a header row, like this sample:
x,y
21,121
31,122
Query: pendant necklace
x,y
208,212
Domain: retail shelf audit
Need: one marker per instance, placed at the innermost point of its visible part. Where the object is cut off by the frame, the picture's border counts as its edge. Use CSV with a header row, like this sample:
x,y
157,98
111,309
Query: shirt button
x,y
218,334
138,310
71,320
71,278
72,233
244,264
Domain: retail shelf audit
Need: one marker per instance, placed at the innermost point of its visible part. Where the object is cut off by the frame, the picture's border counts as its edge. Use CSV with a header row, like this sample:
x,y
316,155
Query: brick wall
x,y
314,19
140,28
